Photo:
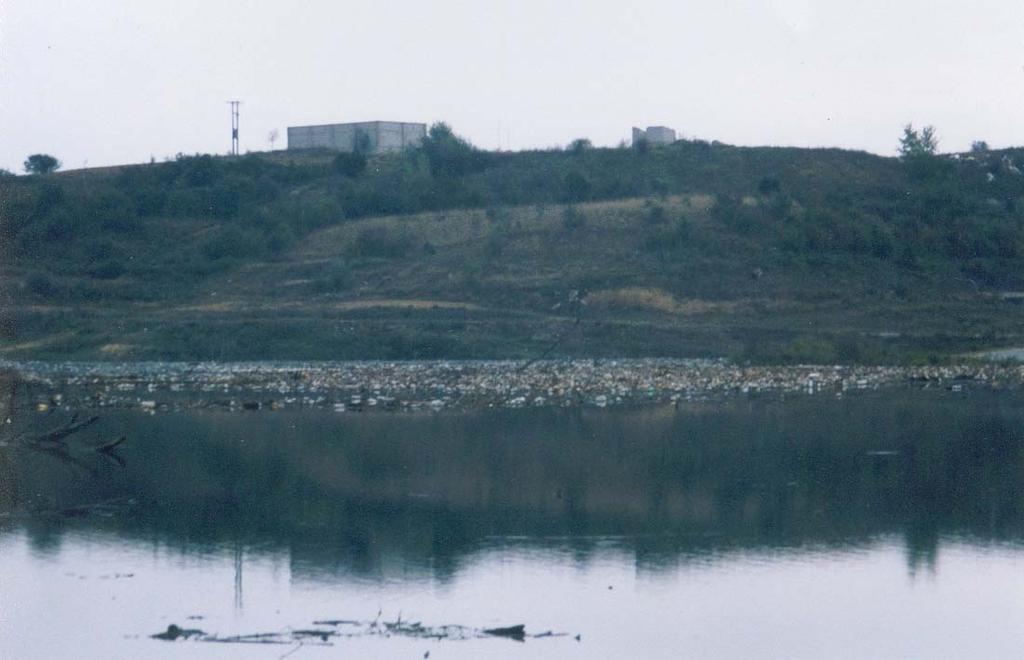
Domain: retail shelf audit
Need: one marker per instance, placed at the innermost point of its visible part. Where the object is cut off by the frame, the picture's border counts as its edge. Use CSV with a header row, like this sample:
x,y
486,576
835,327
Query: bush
x,y
50,196
733,213
200,170
576,188
186,203
223,201
580,146
380,242
110,210
41,285
495,243
278,238
768,185
337,276
655,214
669,241
573,218
309,211
448,155
108,270
350,164
149,201
229,242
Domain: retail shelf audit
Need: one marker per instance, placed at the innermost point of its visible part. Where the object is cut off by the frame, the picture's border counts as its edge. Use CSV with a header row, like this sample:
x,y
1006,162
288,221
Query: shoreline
x,y
438,385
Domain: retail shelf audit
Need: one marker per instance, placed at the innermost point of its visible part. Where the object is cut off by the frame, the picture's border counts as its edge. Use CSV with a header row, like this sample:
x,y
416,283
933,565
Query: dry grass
x,y
37,343
655,300
116,349
406,304
461,226
635,298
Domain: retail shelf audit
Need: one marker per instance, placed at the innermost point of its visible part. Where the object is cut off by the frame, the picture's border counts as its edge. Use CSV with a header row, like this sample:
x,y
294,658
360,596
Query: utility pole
x,y
234,126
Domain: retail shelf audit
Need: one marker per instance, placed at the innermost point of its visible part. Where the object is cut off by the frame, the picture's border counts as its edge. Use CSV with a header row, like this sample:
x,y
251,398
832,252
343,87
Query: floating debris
x,y
442,385
331,629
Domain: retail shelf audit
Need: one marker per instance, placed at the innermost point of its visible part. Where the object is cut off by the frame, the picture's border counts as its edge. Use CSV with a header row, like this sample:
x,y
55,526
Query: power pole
x,y
234,126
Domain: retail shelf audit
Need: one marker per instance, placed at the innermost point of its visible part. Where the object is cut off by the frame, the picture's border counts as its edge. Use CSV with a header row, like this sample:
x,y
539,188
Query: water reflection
x,y
372,495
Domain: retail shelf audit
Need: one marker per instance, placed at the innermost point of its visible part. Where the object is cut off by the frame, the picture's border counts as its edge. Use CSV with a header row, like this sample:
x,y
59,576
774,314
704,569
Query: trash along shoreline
x,y
463,385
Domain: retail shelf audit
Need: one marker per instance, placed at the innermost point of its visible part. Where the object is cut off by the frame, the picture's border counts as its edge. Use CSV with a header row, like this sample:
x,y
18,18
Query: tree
x,y
914,143
979,146
350,164
447,153
361,143
768,185
41,164
580,145
577,188
272,137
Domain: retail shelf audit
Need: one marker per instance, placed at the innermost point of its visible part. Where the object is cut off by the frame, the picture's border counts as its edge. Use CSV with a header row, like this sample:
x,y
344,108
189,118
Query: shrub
x,y
733,213
185,203
655,214
223,201
41,285
108,270
337,276
580,146
495,243
149,201
576,187
448,154
380,242
50,196
573,218
199,170
350,164
278,238
110,210
768,185
229,242
665,242
310,211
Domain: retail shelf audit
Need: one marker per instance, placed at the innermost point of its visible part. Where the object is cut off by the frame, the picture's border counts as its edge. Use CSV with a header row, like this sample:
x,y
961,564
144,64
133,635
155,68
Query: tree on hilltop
x,y
918,143
447,153
41,164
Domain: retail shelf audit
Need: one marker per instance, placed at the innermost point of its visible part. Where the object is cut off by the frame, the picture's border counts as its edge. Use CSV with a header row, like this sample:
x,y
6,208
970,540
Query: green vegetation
x,y
764,254
41,164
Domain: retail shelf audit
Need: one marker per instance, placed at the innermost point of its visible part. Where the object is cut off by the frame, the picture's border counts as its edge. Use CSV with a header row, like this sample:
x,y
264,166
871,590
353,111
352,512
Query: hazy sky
x,y
119,81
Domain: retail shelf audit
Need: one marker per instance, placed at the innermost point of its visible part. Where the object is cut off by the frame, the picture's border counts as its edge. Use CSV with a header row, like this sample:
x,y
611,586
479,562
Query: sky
x,y
106,82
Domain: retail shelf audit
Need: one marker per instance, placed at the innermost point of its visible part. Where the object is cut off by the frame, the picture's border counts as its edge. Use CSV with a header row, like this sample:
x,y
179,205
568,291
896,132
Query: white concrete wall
x,y
654,135
382,136
660,135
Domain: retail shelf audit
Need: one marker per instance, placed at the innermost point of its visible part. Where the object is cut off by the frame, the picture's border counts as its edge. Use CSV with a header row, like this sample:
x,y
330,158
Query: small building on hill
x,y
654,135
368,137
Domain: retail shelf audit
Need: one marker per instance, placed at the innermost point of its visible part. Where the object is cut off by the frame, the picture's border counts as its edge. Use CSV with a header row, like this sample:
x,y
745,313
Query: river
x,y
886,524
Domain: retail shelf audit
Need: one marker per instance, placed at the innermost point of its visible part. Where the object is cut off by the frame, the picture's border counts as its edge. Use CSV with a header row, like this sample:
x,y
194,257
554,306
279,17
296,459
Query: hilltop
x,y
695,249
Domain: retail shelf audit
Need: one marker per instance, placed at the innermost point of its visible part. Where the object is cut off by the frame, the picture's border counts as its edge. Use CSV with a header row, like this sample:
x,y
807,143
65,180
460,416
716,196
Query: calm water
x,y
873,526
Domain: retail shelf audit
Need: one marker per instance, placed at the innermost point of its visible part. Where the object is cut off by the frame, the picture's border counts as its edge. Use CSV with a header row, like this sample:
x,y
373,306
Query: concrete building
x,y
371,137
654,135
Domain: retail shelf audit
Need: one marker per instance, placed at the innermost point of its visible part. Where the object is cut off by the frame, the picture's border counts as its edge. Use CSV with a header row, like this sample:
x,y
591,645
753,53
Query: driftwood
x,y
54,443
330,629
57,435
517,633
173,632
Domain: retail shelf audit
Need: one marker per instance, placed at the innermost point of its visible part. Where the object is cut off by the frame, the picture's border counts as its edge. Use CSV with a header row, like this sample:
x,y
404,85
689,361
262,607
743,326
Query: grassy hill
x,y
696,249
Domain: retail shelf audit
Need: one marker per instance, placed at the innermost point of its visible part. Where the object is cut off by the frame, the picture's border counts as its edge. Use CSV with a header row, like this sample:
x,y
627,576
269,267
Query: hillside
x,y
697,249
